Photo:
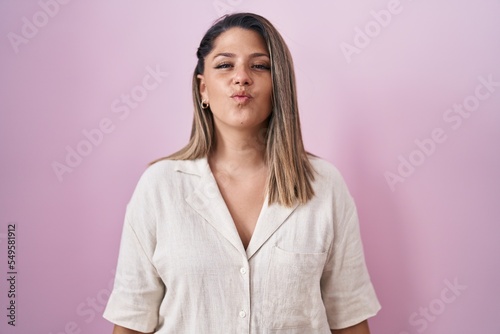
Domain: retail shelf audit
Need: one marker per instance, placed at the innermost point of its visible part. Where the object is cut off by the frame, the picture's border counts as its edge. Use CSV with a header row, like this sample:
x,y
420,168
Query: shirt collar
x,y
197,167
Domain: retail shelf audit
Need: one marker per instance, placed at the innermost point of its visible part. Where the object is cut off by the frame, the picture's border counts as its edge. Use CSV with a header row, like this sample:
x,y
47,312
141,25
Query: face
x,y
237,80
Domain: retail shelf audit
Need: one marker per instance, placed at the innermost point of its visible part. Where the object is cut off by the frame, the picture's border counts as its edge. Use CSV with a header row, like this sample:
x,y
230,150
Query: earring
x,y
204,105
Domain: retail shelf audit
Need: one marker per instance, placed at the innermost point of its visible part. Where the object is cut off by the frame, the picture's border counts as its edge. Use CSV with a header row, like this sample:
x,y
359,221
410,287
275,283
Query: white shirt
x,y
182,266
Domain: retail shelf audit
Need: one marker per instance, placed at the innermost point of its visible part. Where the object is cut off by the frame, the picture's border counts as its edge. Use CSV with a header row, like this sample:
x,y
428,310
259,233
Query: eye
x,y
261,67
223,65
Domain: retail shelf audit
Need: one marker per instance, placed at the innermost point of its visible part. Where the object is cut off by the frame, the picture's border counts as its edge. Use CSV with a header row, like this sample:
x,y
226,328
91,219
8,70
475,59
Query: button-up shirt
x,y
182,267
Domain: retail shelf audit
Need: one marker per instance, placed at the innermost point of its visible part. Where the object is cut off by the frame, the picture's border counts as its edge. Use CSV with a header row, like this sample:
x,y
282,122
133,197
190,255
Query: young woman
x,y
242,231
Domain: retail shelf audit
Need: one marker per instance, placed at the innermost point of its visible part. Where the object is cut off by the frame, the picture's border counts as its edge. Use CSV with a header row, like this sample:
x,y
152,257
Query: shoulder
x,y
326,173
329,185
160,185
322,166
164,170
158,179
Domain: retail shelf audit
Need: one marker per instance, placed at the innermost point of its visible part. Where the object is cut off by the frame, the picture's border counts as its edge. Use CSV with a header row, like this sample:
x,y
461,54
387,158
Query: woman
x,y
242,231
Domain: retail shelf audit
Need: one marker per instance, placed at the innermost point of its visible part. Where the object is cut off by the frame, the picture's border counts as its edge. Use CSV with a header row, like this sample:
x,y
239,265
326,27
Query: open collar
x,y
206,199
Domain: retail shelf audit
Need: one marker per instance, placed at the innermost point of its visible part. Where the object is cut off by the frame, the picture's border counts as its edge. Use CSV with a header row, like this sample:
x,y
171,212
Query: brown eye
x,y
223,65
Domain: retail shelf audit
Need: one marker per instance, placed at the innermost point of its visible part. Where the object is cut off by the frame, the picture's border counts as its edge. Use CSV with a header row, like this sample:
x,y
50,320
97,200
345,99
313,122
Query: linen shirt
x,y
182,267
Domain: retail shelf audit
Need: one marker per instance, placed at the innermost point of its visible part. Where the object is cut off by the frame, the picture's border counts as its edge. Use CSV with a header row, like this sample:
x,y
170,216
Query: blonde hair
x,y
290,172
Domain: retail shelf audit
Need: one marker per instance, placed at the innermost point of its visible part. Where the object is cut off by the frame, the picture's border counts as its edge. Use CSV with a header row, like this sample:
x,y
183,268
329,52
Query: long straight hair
x,y
290,171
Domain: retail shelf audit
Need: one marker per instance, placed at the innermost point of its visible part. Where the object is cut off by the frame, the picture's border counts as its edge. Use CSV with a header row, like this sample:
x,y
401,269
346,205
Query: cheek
x,y
215,92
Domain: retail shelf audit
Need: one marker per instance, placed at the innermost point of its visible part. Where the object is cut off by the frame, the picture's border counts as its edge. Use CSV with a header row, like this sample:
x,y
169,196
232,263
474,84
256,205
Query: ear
x,y
203,87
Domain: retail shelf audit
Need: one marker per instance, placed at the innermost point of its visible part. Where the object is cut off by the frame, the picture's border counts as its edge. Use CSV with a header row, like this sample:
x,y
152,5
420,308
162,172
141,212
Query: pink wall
x,y
365,102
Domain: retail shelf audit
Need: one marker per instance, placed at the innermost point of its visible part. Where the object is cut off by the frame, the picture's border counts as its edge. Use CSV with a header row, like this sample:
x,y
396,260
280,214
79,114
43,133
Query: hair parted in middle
x,y
290,171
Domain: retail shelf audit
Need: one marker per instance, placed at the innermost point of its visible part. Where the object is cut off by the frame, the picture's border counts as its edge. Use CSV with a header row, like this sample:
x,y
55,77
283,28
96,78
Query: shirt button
x,y
243,271
242,314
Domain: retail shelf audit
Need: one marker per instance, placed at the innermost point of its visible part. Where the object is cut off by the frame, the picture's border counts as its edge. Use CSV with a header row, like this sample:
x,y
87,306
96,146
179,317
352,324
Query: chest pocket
x,y
292,294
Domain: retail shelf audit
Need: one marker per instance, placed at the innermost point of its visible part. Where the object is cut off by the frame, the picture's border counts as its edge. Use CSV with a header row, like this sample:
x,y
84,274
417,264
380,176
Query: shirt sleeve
x,y
347,291
138,289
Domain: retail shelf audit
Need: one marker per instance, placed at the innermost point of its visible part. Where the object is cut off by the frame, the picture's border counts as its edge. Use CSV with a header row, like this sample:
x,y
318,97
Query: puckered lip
x,y
241,94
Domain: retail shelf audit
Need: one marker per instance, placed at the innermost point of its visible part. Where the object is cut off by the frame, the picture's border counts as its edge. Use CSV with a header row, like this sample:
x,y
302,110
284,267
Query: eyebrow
x,y
232,55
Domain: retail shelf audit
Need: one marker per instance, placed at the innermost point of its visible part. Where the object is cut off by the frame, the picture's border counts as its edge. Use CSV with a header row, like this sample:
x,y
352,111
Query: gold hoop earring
x,y
204,105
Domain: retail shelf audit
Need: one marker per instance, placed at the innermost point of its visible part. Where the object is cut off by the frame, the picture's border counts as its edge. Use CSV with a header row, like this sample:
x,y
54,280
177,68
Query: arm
x,y
122,330
361,328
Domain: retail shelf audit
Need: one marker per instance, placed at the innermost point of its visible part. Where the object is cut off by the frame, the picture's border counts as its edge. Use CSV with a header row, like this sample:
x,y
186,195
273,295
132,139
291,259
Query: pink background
x,y
438,227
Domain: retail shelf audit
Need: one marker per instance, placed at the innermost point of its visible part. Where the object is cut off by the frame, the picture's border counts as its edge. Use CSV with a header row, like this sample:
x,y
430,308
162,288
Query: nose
x,y
242,76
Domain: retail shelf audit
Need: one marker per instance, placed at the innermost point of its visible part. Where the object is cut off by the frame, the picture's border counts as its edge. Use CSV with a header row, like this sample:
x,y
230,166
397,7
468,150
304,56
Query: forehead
x,y
239,40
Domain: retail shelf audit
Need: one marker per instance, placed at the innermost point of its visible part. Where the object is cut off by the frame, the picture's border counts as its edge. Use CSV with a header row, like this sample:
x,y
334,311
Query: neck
x,y
236,149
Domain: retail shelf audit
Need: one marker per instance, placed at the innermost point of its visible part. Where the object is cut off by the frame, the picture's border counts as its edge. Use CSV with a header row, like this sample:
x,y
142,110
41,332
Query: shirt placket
x,y
244,311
